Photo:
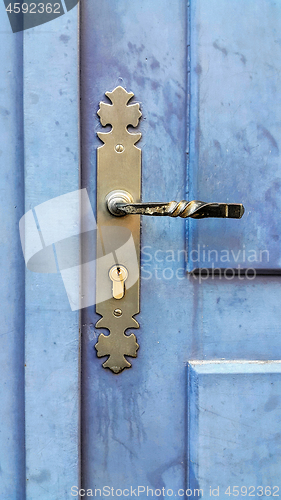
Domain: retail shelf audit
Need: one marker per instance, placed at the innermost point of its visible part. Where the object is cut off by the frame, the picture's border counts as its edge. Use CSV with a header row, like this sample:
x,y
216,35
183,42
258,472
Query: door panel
x,y
234,428
235,110
236,319
135,425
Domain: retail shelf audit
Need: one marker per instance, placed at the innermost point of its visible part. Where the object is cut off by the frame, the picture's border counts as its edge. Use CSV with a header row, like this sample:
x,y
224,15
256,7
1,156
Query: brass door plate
x,y
118,241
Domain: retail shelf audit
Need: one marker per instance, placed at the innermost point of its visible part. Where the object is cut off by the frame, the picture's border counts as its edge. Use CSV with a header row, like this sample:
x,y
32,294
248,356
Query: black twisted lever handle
x,y
195,209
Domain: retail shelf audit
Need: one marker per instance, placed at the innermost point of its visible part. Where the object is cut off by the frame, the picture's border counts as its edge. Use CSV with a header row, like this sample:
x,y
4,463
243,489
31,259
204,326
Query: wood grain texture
x,y
51,106
235,130
134,425
126,417
234,425
12,458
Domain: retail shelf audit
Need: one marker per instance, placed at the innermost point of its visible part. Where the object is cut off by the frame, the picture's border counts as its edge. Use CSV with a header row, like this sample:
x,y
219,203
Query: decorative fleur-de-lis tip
x,y
121,94
119,110
117,347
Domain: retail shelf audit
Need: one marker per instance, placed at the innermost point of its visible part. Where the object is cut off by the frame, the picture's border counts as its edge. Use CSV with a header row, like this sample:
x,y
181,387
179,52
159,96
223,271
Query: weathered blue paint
x,y
138,427
51,106
12,460
235,112
125,418
135,425
234,427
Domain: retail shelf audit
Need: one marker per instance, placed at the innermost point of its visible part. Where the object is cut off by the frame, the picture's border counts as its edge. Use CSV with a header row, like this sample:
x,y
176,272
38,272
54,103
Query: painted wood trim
x,y
52,345
12,456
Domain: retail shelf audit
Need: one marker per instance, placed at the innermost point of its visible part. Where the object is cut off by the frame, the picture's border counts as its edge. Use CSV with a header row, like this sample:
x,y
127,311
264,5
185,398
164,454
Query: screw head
x,y
117,313
119,148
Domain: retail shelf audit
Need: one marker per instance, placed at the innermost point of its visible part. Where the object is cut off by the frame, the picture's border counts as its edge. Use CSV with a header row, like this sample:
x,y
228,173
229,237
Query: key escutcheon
x,y
118,198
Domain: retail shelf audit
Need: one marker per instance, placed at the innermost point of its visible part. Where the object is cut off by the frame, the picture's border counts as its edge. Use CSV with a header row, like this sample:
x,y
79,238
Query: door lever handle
x,y
119,203
118,240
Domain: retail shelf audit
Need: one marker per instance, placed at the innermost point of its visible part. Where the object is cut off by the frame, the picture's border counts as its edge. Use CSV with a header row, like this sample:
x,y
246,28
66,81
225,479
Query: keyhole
x,y
118,275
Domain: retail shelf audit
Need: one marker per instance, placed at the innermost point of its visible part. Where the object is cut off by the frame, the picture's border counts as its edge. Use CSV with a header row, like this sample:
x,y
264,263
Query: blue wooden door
x,y
198,414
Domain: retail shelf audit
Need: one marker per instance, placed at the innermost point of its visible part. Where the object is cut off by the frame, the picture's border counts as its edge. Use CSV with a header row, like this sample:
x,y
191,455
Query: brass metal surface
x,y
118,242
118,275
118,205
118,245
